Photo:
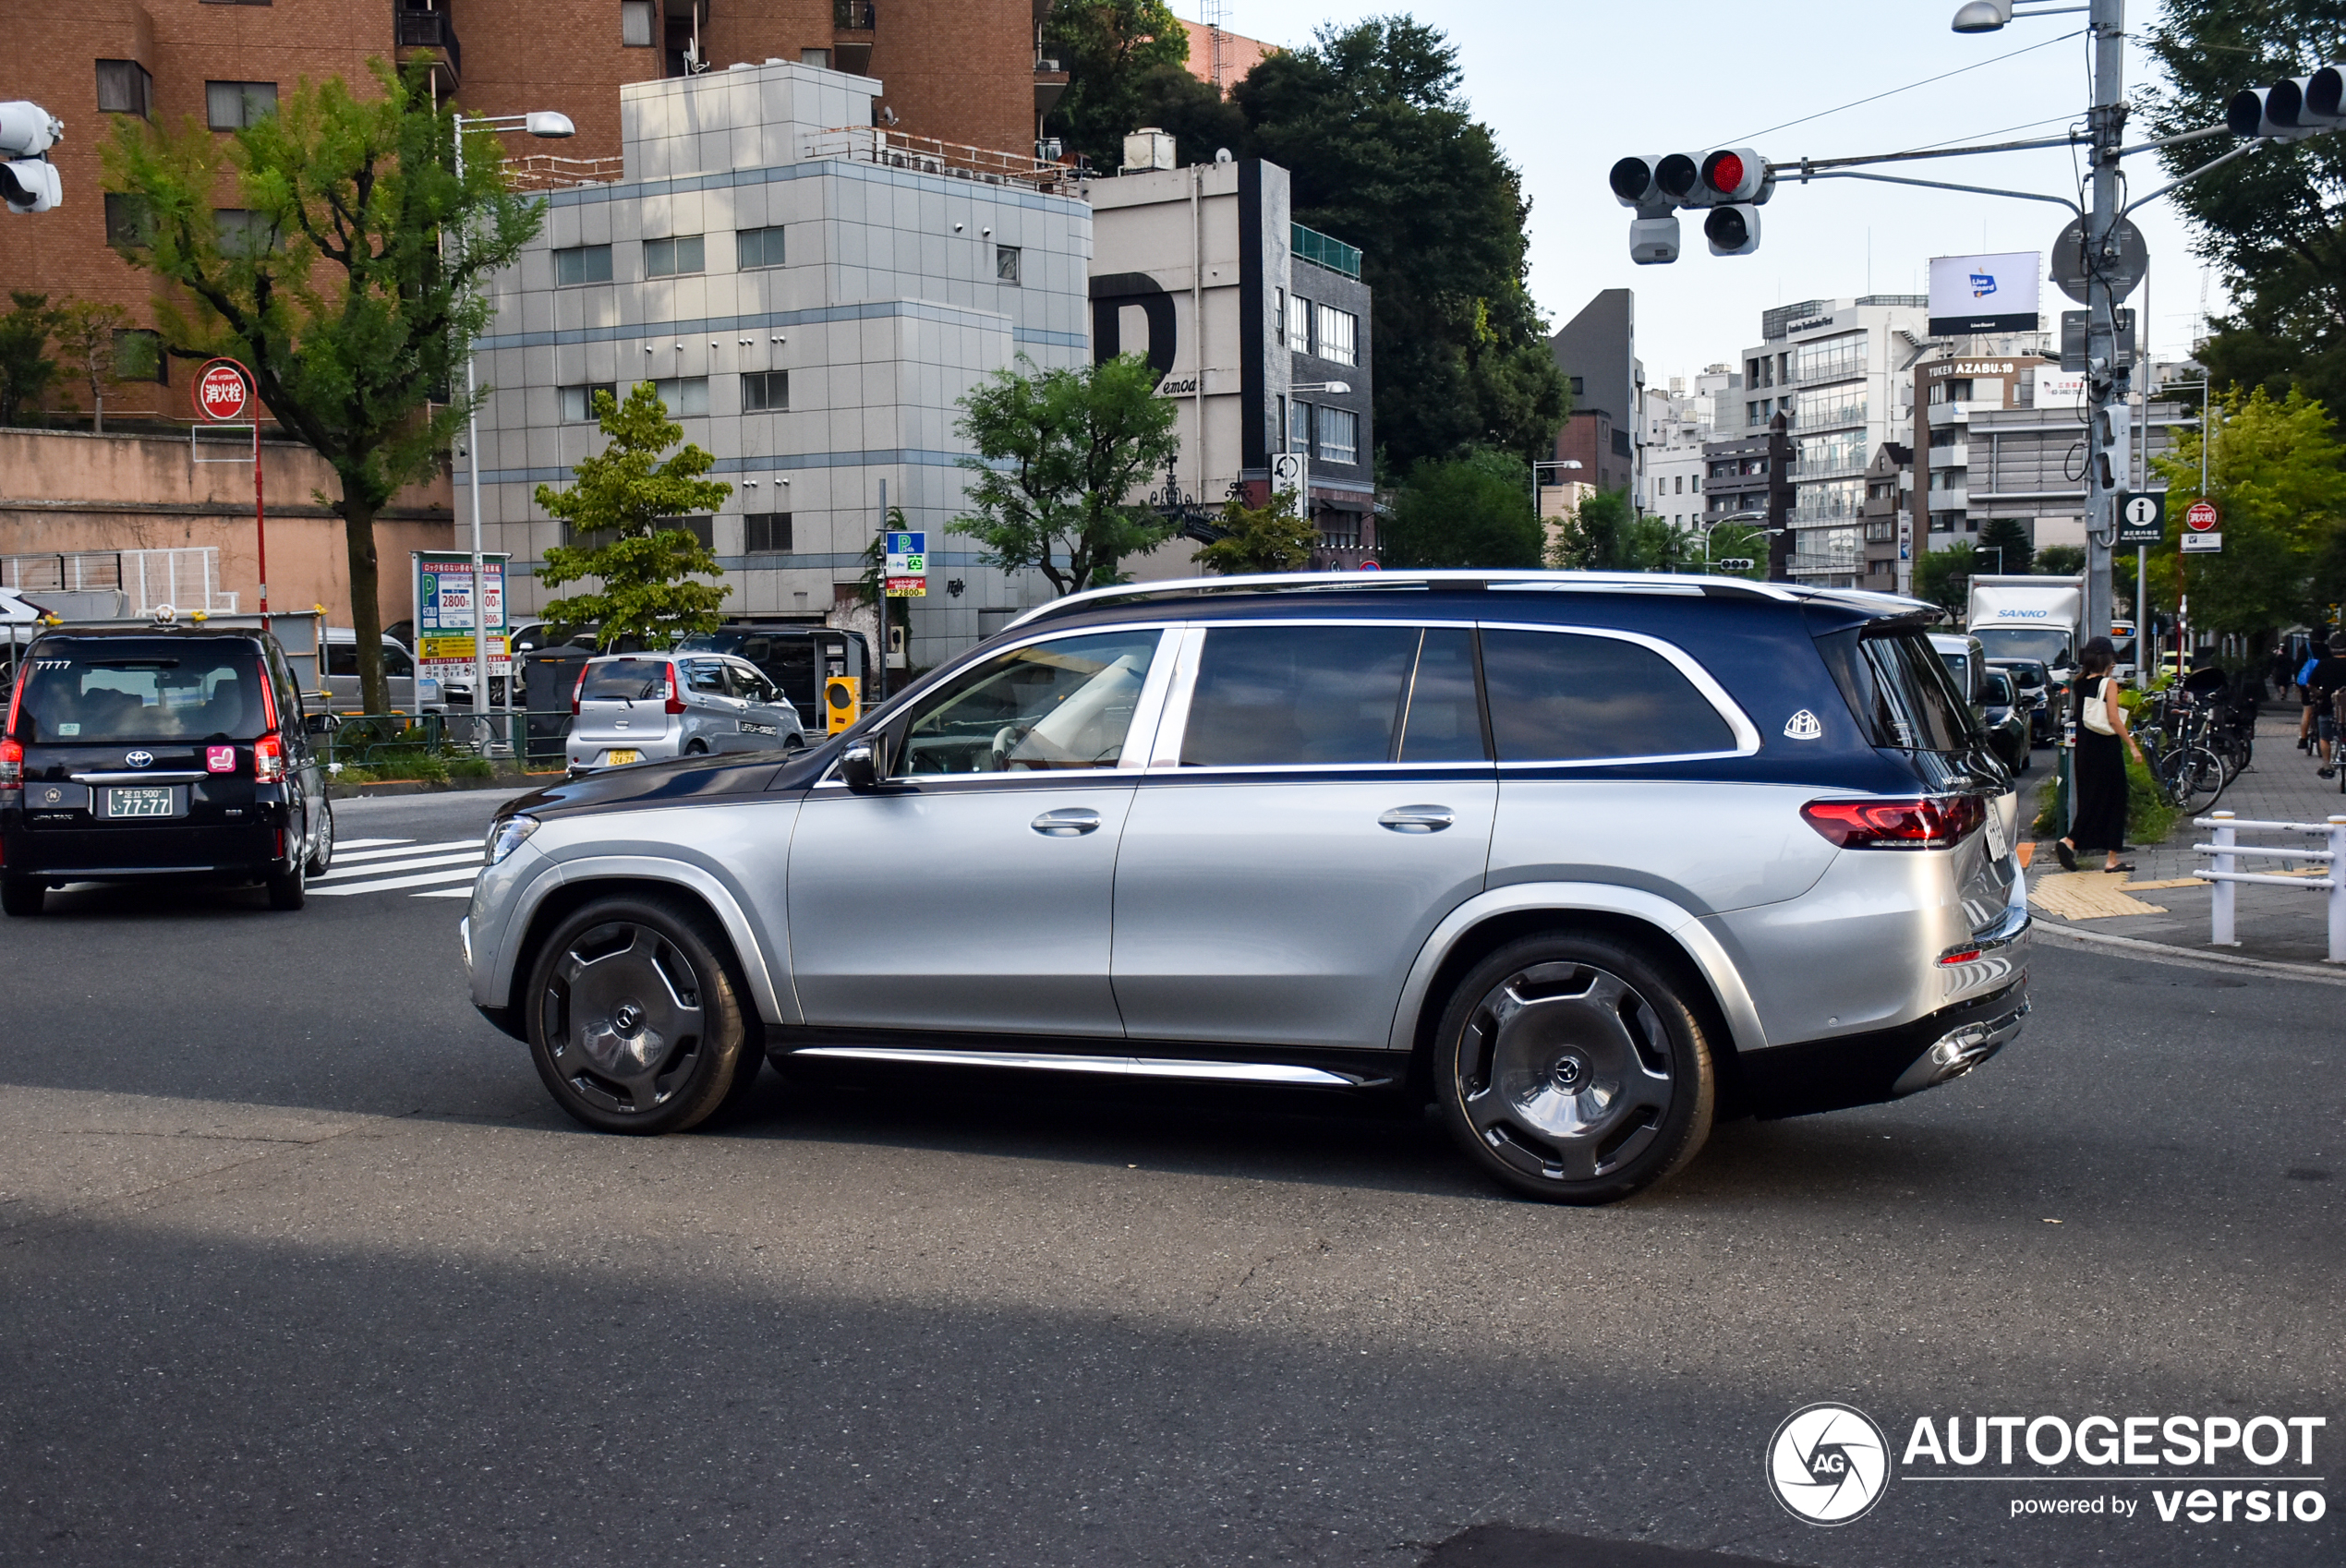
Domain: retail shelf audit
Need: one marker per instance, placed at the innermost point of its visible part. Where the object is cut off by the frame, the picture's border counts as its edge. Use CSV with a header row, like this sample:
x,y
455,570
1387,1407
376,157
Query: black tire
x,y
321,842
1531,1036
289,890
595,1033
21,896
696,749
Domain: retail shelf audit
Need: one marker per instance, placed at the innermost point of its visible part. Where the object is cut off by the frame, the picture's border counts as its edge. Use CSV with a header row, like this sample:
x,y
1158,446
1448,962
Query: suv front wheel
x,y
1570,1069
636,1018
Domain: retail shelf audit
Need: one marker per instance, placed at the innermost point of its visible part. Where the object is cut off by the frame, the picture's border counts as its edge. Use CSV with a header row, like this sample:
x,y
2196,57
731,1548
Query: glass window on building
x,y
232,105
684,394
765,391
130,221
578,403
636,23
125,87
1008,260
1299,426
1335,335
1337,436
766,533
669,257
244,232
582,264
753,248
1298,323
1842,354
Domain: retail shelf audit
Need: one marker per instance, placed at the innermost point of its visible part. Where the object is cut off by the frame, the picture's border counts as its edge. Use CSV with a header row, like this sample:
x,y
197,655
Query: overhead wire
x,y
1959,70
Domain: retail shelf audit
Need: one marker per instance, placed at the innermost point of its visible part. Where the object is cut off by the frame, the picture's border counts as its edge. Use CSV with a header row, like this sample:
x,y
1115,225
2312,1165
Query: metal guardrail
x,y
387,740
1324,250
2225,874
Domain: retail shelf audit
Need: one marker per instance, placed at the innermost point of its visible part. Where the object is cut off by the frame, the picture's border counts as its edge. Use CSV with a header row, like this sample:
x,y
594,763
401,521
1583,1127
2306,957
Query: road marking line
x,y
370,843
404,847
444,893
384,868
421,879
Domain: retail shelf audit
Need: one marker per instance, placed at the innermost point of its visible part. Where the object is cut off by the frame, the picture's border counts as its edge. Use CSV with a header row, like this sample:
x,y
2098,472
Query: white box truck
x,y
2039,618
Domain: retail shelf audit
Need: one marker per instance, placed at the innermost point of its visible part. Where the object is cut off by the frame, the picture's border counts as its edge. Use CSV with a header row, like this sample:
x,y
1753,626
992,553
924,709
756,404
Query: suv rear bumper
x,y
97,854
1887,1064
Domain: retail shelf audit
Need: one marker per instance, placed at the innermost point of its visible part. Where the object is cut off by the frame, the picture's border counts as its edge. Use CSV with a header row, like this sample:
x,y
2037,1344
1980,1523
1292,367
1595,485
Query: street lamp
x,y
551,126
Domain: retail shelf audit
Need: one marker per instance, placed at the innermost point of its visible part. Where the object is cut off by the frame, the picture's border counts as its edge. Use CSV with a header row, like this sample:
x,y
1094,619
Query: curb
x,y
2160,952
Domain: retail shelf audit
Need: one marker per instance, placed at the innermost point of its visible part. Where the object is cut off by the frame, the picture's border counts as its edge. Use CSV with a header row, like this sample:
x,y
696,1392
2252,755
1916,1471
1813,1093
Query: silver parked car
x,y
1586,859
650,707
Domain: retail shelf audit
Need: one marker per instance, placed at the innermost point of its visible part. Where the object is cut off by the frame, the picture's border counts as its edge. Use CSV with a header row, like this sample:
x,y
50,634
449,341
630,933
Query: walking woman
x,y
2099,771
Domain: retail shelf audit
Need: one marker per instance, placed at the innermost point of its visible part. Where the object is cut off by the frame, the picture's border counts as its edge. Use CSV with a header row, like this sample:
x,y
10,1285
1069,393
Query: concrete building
x,y
1678,428
1237,306
962,71
1842,369
1597,351
1219,56
1998,436
1889,529
812,302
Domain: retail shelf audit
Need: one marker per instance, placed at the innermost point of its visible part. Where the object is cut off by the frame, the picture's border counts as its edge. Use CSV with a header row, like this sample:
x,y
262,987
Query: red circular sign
x,y
220,392
2203,515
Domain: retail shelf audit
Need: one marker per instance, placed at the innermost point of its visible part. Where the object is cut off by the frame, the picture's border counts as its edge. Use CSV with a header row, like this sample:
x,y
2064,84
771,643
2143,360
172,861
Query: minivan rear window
x,y
1900,690
626,680
71,698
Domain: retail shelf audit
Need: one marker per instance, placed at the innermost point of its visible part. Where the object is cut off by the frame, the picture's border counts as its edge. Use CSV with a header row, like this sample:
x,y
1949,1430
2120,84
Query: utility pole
x,y
2106,380
1781,491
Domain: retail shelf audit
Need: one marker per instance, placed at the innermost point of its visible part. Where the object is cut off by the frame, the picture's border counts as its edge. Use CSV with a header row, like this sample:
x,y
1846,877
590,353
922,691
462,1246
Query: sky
x,y
1568,87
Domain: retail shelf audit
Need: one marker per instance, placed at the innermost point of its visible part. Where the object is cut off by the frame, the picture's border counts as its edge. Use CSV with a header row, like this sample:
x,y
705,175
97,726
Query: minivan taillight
x,y
1931,822
676,698
576,687
11,765
269,760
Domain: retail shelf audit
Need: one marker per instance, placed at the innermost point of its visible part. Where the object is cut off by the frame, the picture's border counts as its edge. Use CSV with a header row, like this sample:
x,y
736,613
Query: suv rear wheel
x,y
1571,1070
635,1020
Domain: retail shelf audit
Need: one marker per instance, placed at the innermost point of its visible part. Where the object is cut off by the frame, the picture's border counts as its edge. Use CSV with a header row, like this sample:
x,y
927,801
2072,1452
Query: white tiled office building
x,y
812,296
1844,370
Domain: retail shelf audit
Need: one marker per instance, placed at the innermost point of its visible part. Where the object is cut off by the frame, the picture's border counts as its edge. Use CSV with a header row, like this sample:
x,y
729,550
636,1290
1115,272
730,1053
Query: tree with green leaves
x,y
1599,535
2279,473
1272,537
624,502
91,334
26,371
329,280
1472,511
1127,63
1371,125
2060,560
2004,546
1943,576
1055,454
2275,219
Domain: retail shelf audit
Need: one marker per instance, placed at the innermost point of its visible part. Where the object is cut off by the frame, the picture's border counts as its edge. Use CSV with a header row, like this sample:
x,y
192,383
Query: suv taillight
x,y
675,699
1932,822
577,686
269,759
11,765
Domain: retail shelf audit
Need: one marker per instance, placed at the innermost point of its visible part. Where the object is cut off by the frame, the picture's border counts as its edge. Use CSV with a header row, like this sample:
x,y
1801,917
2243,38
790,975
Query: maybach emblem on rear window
x,y
1803,726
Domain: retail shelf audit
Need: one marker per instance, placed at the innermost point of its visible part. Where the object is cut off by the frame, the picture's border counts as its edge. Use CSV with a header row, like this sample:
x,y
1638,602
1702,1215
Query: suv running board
x,y
1122,1066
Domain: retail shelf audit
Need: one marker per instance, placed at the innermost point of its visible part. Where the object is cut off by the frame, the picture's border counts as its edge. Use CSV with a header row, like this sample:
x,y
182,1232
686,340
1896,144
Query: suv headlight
x,y
506,836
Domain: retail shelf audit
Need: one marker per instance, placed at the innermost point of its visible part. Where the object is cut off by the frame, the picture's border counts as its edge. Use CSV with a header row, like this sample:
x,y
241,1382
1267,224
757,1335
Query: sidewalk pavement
x,y
2162,903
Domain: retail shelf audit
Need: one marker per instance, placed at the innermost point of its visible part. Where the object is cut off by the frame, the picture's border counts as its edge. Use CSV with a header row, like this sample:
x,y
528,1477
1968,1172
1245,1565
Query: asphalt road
x,y
298,1262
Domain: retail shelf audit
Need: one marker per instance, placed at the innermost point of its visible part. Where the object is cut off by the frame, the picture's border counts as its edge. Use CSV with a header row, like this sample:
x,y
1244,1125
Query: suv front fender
x,y
1565,899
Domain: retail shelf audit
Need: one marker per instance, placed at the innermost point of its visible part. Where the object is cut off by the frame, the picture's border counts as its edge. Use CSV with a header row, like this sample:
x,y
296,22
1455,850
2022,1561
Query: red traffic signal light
x,y
1736,174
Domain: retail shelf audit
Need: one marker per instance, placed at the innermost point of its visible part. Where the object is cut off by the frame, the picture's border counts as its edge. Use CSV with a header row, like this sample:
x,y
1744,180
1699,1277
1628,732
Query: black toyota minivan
x,y
164,751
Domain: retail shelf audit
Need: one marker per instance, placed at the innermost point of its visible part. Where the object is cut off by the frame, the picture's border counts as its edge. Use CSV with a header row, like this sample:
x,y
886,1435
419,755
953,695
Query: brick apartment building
x,y
960,71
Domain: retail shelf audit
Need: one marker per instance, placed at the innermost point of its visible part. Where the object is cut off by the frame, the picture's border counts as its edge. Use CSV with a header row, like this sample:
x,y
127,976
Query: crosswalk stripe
x,y
341,844
420,880
403,847
444,893
384,868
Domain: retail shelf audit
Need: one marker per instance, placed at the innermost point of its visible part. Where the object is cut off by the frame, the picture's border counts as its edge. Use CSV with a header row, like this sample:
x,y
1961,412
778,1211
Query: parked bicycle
x,y
2173,731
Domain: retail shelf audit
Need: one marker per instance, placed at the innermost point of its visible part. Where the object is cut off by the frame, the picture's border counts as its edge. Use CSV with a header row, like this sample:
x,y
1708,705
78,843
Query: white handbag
x,y
2095,715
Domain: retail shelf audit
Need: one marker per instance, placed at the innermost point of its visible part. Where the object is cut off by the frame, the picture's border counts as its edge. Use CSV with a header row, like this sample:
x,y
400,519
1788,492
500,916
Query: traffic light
x,y
2113,457
1728,183
1653,232
2292,109
28,180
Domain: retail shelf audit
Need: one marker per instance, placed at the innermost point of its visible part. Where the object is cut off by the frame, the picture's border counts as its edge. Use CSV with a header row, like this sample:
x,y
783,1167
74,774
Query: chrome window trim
x,y
1145,709
1747,734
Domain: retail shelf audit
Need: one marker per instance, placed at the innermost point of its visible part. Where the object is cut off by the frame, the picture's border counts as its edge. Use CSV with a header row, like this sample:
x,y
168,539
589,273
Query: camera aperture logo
x,y
1828,1464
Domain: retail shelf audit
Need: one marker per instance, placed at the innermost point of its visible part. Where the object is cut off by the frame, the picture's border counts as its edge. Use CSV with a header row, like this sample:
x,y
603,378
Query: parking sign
x,y
907,565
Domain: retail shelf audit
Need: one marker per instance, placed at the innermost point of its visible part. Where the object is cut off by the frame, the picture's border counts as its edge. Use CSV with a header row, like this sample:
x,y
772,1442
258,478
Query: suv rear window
x,y
1901,690
1562,697
83,697
626,680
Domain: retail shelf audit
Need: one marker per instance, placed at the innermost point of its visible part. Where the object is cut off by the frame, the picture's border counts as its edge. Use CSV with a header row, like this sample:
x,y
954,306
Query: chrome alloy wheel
x,y
622,1016
1565,1071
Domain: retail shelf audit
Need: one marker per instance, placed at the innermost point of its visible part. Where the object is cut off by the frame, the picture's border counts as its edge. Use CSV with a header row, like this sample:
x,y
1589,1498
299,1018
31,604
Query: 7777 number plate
x,y
139,802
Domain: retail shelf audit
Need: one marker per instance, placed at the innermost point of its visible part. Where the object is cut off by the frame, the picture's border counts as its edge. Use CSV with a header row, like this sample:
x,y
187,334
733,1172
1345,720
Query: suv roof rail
x,y
1629,582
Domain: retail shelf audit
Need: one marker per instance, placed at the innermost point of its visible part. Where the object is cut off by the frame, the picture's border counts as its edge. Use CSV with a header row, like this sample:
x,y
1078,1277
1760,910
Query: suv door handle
x,y
1418,819
1072,821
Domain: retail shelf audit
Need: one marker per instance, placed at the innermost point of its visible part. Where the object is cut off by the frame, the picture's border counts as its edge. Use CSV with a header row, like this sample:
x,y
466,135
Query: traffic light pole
x,y
2106,378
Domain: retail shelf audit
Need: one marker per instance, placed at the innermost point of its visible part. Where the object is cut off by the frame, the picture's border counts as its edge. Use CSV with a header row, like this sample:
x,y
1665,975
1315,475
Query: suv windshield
x,y
625,680
1901,690
105,696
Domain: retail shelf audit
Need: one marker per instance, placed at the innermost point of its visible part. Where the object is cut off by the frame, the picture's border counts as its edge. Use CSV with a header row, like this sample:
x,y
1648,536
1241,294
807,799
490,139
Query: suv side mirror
x,y
856,766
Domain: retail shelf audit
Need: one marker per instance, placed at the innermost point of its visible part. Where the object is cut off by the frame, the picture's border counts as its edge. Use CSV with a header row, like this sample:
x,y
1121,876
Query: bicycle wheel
x,y
2200,778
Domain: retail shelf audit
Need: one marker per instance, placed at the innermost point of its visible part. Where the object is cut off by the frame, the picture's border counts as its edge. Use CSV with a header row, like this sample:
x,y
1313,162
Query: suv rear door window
x,y
1286,696
1566,696
125,699
626,680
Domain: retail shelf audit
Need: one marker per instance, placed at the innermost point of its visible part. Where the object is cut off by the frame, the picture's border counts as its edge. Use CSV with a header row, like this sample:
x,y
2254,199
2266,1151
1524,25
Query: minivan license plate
x,y
139,802
619,759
